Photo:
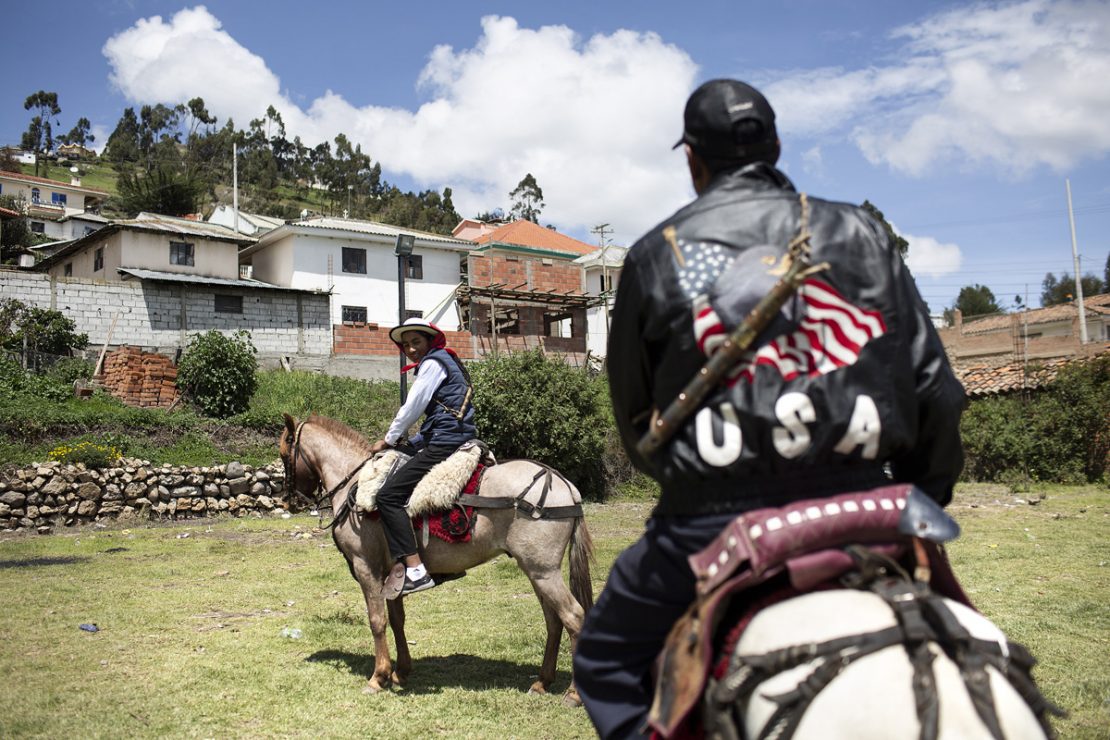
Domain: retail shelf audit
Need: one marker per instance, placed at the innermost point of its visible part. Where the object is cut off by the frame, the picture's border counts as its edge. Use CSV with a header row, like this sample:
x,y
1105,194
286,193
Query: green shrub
x,y
69,369
218,372
25,328
530,406
1059,434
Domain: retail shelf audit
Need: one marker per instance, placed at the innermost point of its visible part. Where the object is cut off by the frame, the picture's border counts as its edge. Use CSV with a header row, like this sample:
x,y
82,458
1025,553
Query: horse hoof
x,y
537,688
571,700
398,679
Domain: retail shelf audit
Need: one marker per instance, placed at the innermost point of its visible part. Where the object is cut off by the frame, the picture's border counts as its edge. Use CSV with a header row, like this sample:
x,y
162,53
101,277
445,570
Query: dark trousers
x,y
649,588
397,491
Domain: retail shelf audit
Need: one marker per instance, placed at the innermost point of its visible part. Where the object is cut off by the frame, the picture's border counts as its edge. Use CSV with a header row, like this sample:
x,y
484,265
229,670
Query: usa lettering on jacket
x,y
791,438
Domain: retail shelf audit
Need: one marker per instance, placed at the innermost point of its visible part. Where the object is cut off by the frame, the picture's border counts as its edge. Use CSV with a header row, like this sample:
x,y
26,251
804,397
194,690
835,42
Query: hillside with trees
x,y
178,159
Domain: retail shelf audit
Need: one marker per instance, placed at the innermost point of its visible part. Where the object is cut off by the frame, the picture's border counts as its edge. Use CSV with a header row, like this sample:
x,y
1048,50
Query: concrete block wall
x,y
161,316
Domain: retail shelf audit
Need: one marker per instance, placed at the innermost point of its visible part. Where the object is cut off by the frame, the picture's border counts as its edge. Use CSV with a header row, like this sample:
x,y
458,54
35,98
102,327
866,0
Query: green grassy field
x,y
191,619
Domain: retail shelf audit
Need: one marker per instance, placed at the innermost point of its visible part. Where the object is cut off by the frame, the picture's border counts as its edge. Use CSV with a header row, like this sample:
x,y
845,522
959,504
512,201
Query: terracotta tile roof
x,y
1062,312
527,234
9,213
990,381
55,183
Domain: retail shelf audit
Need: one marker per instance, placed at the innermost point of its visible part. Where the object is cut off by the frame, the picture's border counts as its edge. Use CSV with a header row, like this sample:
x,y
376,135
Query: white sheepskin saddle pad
x,y
437,490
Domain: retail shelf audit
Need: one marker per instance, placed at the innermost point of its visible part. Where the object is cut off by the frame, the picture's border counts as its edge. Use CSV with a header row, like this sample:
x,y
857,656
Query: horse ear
x,y
290,423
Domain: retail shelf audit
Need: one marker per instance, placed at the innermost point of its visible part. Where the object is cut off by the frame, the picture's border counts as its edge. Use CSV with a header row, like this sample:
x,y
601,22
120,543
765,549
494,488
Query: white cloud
x,y
1009,85
574,113
928,257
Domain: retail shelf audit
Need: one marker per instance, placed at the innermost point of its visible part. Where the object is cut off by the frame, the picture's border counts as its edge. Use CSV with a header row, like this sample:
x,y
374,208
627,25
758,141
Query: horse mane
x,y
342,433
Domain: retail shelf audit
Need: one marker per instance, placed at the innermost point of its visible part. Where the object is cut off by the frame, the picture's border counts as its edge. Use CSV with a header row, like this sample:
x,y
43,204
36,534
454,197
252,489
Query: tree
x,y
491,216
896,239
15,233
34,330
78,135
165,190
1054,292
527,199
974,301
123,145
39,136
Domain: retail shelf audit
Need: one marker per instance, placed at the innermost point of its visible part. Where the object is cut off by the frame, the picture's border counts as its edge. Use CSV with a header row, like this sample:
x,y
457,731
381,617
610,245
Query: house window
x,y
181,253
98,259
35,195
229,303
68,272
354,260
557,324
414,267
38,227
58,199
354,314
413,314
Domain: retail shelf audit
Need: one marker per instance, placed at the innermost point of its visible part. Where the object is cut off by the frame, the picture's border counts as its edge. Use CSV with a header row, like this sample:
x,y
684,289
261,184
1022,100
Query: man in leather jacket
x,y
847,388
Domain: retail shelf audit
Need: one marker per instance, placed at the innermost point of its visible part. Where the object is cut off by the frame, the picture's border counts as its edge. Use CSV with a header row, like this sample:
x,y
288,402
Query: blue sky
x,y
959,120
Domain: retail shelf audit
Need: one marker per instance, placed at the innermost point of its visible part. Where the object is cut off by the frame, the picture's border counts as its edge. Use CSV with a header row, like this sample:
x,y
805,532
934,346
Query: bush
x,y
218,372
529,406
1059,434
37,330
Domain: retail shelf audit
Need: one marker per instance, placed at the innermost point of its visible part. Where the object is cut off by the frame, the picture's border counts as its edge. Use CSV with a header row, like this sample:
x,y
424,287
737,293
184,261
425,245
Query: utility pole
x,y
1078,280
600,230
235,183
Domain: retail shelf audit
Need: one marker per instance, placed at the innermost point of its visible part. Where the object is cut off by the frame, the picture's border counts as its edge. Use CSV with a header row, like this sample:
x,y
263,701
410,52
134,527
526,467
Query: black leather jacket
x,y
849,386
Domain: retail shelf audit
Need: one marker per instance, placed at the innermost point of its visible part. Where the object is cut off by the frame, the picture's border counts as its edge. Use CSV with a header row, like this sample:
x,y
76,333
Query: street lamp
x,y
403,250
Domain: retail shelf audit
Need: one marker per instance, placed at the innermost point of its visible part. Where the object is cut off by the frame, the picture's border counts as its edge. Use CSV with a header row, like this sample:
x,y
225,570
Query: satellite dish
x,y
73,169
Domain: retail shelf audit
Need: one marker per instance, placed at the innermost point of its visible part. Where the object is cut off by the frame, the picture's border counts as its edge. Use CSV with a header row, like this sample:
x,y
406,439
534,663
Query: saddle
x,y
803,543
856,541
437,491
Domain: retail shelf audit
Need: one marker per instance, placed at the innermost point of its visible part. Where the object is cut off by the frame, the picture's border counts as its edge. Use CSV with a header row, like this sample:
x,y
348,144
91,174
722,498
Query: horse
x,y
322,452
841,617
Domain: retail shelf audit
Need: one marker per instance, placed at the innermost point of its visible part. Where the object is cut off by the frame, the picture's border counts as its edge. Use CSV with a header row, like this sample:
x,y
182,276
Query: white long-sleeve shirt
x,y
427,381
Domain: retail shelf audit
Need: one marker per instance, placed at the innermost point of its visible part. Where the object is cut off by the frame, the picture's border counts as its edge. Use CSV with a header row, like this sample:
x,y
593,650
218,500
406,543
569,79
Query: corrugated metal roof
x,y
174,225
375,228
614,257
177,277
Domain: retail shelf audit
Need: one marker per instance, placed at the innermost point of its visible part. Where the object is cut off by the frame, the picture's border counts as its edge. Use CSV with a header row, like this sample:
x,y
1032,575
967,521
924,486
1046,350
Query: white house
x,y
602,276
356,262
53,208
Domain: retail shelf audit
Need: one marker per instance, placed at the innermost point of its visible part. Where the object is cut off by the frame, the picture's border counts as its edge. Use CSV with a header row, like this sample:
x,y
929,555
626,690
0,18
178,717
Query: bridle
x,y
291,476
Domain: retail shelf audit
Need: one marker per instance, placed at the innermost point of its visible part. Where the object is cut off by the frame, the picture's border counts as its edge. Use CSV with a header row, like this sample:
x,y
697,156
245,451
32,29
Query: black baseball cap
x,y
729,120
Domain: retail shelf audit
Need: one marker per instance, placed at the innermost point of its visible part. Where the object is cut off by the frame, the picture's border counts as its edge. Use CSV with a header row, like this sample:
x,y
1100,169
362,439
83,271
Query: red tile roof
x,y
527,234
55,183
989,381
1062,312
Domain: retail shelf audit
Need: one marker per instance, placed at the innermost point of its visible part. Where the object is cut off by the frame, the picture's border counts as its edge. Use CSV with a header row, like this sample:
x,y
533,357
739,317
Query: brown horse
x,y
322,452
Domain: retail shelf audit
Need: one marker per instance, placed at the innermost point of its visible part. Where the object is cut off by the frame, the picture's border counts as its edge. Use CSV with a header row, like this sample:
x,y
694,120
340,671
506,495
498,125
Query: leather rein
x,y
291,476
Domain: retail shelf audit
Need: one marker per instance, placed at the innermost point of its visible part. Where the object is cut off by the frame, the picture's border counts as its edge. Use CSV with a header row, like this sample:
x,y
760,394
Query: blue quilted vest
x,y
444,425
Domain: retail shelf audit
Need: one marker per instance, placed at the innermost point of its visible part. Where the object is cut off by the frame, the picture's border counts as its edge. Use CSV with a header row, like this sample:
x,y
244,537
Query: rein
x,y
291,480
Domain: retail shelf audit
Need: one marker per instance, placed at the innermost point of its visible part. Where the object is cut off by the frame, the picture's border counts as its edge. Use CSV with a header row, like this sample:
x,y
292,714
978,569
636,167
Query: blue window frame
x,y
58,199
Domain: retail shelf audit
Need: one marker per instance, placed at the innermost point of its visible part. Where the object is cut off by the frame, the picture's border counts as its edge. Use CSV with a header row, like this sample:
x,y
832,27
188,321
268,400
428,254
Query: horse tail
x,y
581,553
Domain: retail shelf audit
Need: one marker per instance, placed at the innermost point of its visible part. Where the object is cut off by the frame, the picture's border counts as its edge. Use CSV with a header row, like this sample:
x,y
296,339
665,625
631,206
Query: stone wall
x,y
50,495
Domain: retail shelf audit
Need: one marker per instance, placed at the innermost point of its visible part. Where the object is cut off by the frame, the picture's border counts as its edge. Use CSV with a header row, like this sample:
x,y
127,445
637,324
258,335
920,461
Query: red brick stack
x,y
140,378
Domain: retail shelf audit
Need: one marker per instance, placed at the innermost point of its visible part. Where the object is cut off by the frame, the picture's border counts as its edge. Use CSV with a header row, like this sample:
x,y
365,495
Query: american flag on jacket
x,y
831,332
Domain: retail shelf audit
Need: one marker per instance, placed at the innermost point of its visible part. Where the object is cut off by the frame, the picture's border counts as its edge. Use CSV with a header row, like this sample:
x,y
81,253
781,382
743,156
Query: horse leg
x,y
375,610
560,611
403,666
